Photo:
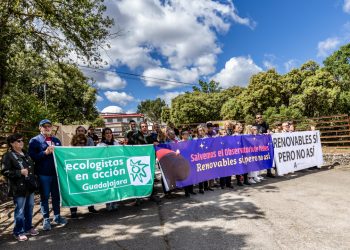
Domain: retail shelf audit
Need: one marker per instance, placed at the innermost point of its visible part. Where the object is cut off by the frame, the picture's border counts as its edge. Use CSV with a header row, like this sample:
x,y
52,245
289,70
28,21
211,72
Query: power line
x,y
138,76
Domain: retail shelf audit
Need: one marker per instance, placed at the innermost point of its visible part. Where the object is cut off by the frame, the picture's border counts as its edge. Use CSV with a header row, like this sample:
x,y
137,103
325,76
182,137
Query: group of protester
x,y
26,170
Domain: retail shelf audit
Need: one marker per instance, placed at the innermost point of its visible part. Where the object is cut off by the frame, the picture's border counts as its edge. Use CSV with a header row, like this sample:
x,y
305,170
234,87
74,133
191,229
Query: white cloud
x,y
105,79
99,98
269,61
346,6
237,71
112,109
291,64
173,77
168,96
179,36
121,98
327,46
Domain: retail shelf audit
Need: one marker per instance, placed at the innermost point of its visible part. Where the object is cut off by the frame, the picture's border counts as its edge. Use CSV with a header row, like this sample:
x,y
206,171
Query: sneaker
x,y
261,178
21,237
256,179
32,232
251,181
60,220
46,225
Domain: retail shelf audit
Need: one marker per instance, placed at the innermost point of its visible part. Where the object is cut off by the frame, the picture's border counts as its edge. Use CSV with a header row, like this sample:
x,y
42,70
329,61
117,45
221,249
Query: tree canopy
x,y
152,109
39,41
308,91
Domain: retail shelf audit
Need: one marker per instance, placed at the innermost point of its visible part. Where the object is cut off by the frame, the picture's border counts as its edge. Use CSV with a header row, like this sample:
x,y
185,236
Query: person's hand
x,y
155,143
49,150
24,172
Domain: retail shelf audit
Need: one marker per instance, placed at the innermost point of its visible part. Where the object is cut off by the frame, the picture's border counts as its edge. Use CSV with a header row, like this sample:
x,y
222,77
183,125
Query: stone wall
x,y
336,158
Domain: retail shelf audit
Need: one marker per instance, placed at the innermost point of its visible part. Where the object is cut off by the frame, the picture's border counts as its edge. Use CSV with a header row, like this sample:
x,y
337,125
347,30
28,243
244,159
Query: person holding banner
x,y
188,189
80,140
142,137
108,140
241,179
226,181
41,149
263,128
18,168
202,134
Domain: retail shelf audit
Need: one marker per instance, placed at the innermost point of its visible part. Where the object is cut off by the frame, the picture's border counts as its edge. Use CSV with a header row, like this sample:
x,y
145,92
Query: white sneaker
x,y
256,179
251,181
261,178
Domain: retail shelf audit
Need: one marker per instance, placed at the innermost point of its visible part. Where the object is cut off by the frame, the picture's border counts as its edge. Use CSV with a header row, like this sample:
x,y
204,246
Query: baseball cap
x,y
45,121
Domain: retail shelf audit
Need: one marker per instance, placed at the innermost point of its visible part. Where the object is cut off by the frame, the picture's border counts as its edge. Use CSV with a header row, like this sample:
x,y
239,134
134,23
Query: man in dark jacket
x,y
41,149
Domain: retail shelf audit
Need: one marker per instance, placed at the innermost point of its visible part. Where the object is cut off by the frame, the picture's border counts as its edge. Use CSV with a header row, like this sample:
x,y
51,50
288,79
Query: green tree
x,y
211,87
263,91
53,29
152,109
42,88
165,116
319,95
338,64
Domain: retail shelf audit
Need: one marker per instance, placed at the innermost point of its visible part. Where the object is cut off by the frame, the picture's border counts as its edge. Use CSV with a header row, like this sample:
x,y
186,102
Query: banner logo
x,y
139,170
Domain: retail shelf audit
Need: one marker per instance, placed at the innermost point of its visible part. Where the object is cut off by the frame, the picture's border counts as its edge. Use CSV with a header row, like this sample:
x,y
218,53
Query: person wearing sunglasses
x,y
80,140
41,149
17,167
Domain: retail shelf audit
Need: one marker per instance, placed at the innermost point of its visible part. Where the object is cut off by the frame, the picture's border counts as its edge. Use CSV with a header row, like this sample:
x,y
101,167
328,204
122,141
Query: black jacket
x,y
11,169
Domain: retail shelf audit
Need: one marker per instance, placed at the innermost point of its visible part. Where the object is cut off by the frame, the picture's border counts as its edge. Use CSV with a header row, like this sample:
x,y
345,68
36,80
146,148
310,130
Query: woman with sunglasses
x,y
108,140
17,166
80,140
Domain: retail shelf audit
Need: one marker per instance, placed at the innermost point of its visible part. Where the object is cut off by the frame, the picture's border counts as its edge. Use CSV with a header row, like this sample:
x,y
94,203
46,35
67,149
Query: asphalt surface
x,y
305,210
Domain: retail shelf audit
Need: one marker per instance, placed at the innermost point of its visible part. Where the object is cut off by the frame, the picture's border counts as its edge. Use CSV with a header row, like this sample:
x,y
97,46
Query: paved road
x,y
306,210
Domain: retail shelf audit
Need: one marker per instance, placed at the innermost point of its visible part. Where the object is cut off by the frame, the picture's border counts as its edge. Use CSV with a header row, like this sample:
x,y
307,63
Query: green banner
x,y
92,175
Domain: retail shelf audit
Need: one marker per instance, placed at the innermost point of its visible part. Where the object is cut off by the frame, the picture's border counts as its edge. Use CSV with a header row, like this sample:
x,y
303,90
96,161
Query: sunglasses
x,y
259,117
46,126
19,140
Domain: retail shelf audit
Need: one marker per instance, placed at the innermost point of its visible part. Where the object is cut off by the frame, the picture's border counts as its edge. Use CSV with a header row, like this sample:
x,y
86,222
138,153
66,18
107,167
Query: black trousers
x,y
75,209
188,189
203,185
225,181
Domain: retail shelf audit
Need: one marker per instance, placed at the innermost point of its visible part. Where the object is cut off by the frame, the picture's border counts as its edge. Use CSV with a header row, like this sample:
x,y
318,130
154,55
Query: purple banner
x,y
191,162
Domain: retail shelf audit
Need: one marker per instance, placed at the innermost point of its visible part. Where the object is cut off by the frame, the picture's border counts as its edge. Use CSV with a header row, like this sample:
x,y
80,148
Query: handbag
x,y
31,181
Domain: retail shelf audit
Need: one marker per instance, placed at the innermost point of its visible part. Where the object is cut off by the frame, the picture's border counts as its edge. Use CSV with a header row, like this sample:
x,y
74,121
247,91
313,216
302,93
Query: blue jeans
x,y
49,184
23,213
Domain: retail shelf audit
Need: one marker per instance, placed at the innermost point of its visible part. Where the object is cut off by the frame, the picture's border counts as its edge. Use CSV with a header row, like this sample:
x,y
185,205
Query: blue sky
x,y
223,40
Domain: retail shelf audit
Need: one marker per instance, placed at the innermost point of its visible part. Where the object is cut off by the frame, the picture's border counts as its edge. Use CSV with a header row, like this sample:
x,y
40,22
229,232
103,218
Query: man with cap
x,y
41,149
